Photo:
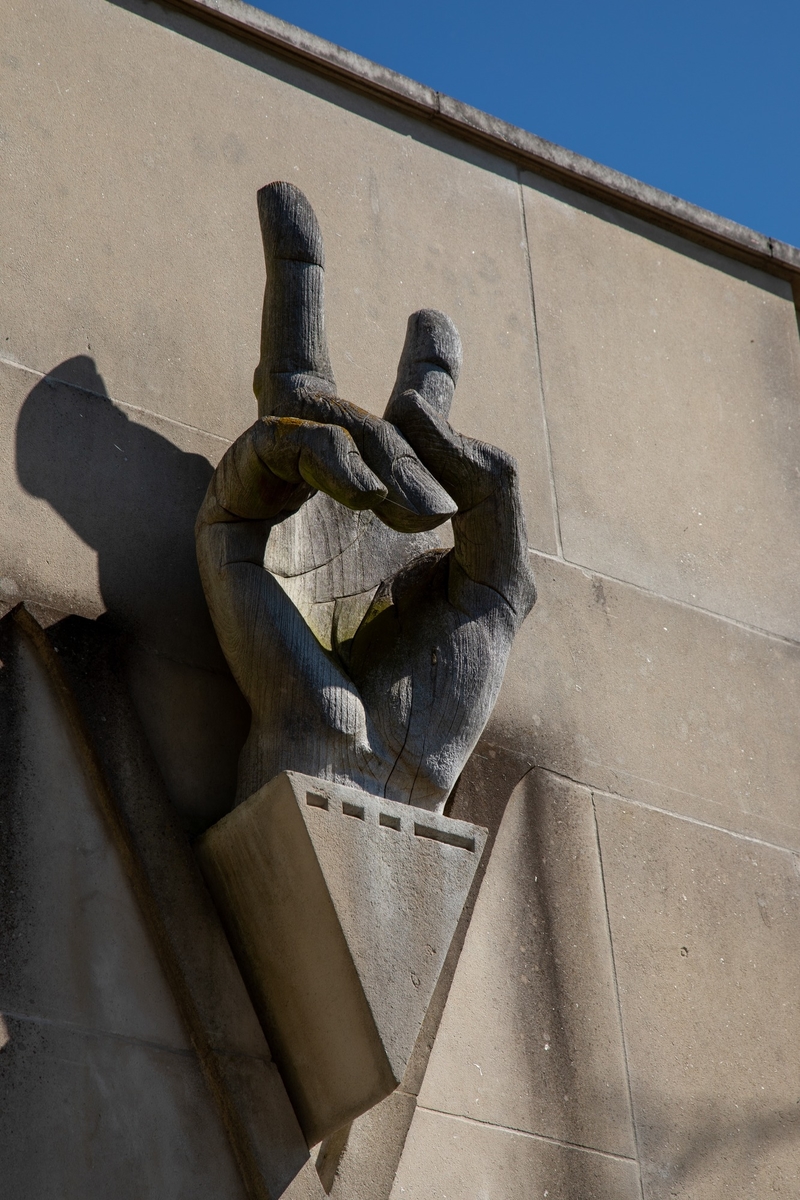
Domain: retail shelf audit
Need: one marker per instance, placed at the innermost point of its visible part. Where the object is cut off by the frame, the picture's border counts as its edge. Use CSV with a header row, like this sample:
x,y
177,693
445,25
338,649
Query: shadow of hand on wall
x,y
133,496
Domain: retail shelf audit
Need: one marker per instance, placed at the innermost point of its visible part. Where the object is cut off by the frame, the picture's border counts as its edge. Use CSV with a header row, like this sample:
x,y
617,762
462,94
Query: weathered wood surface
x,y
369,655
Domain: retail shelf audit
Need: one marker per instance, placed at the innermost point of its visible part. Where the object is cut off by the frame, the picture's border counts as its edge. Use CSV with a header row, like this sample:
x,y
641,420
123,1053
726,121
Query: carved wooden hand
x,y
369,654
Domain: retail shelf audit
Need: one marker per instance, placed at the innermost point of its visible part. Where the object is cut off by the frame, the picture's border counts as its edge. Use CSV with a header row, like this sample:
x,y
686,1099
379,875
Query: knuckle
x,y
338,439
503,465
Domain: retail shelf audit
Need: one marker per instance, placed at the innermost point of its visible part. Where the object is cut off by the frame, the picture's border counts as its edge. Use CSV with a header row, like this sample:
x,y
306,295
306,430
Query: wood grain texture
x,y
369,655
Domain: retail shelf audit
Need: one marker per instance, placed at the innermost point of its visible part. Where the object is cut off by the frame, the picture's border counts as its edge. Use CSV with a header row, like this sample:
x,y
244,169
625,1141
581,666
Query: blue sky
x,y
700,99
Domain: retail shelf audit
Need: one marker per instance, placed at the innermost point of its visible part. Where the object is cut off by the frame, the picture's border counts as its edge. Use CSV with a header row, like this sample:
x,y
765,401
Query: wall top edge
x,y
472,125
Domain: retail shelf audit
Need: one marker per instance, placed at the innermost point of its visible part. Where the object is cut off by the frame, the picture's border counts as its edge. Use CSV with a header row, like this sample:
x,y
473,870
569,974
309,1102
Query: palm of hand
x,y
367,654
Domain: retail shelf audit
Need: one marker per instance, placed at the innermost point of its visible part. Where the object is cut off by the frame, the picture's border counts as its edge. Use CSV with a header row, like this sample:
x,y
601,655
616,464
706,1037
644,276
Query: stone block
x,y
306,1185
448,1157
486,785
671,376
367,1165
705,928
481,795
530,1036
170,308
340,908
106,925
75,947
93,1116
630,693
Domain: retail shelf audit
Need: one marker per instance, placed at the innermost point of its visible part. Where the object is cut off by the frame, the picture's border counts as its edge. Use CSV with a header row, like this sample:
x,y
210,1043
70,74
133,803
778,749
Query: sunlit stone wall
x,y
623,1021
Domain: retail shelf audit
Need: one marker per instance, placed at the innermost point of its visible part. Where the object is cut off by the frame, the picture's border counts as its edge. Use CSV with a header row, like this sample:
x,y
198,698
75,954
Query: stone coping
x,y
470,124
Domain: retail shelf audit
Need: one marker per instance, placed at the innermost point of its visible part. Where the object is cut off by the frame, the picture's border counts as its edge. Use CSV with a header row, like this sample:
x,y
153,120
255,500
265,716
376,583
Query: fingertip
x,y
289,225
367,483
432,337
422,492
331,462
430,362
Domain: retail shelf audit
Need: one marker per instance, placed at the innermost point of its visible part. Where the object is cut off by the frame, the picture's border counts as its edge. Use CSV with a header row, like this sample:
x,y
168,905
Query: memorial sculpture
x,y
369,654
371,657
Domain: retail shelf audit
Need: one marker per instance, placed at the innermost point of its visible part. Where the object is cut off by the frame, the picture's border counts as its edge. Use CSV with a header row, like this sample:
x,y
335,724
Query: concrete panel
x,y
74,945
195,955
99,509
671,379
481,796
530,1037
447,1158
705,929
651,699
369,1161
142,246
340,908
367,1165
196,722
94,1117
305,1186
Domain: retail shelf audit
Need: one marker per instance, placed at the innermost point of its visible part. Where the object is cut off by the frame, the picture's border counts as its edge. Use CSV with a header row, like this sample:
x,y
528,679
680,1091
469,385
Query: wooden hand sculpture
x,y
369,654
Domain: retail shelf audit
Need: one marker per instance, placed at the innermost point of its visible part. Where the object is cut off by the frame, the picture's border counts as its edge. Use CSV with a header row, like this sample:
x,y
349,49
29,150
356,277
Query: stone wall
x,y
623,1019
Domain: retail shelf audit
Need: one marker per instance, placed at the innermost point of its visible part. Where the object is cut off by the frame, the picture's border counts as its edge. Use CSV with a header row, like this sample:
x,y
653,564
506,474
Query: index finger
x,y
415,499
294,349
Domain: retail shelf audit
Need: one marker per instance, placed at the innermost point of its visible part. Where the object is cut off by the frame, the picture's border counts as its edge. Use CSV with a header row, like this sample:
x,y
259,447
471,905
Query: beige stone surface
x,y
705,929
671,377
184,927
367,1166
99,505
633,694
196,722
487,783
305,1185
100,1079
449,1158
95,1116
340,908
530,1037
133,154
481,796
73,943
